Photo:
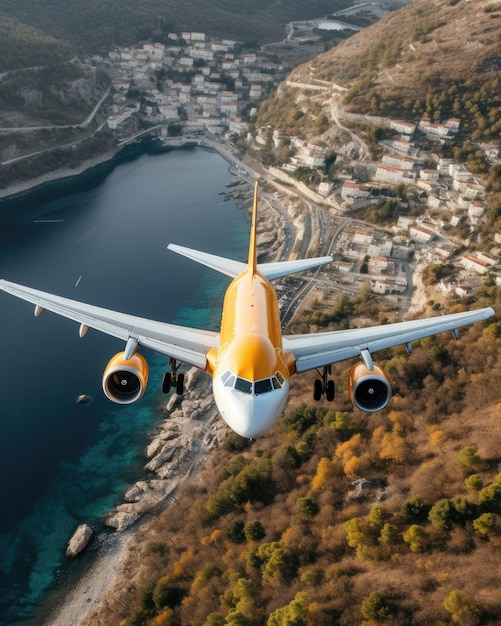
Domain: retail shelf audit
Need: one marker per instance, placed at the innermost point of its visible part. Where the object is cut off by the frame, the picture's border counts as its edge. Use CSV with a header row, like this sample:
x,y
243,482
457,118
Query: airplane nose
x,y
248,415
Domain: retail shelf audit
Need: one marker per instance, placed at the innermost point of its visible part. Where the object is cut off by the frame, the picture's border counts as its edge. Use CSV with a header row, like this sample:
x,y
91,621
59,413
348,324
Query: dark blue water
x,y
63,463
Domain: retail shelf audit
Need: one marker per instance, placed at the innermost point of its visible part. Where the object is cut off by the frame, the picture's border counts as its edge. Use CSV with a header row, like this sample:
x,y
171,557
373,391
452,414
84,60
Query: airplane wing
x,y
188,345
319,349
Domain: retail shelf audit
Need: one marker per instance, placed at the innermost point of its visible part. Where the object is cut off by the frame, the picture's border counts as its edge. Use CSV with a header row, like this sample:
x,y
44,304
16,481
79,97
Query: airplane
x,y
250,360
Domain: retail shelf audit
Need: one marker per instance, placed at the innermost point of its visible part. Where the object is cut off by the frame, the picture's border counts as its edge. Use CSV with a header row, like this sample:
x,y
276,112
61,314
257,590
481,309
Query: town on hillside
x,y
195,86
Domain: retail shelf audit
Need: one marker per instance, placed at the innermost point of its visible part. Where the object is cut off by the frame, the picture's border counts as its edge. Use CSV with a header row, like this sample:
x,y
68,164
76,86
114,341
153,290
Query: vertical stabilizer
x,y
252,262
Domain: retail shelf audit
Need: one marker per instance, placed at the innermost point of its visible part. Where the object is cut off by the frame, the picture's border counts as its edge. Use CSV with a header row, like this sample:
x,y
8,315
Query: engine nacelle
x,y
125,381
369,390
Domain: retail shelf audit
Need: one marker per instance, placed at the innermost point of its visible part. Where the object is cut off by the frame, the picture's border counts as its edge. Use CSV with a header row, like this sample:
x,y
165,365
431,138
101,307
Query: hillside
x,y
336,517
436,59
97,26
428,61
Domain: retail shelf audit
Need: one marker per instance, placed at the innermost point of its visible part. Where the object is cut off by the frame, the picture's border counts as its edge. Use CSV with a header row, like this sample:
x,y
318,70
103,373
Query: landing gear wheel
x,y
317,390
180,384
330,391
167,382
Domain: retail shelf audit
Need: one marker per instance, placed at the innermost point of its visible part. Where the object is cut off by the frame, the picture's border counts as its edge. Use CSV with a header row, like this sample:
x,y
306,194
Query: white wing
x,y
189,345
319,349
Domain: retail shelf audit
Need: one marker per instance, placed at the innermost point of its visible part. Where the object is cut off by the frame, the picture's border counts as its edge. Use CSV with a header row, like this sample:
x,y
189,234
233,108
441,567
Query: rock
x,y
79,540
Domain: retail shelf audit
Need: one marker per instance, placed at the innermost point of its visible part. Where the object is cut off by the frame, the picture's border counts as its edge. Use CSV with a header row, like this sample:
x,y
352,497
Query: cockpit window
x,y
243,385
262,386
265,385
230,381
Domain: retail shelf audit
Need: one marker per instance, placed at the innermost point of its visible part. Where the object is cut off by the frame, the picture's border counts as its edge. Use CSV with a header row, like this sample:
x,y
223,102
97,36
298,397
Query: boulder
x,y
79,540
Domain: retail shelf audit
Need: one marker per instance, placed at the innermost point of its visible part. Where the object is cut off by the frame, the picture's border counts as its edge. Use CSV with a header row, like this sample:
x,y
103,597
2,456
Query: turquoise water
x,y
62,464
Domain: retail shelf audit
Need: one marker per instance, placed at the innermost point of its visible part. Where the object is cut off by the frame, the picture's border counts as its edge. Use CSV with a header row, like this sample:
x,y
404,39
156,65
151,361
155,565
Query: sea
x,y
100,238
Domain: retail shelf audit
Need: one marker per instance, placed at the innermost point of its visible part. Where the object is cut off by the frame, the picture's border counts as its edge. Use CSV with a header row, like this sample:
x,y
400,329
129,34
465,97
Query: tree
x,y
463,609
308,506
294,614
254,530
415,508
167,593
468,458
490,496
485,524
376,607
441,515
416,537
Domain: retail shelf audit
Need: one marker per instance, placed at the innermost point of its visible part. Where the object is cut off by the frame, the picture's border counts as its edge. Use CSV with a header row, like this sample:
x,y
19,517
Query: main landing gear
x,y
324,386
173,379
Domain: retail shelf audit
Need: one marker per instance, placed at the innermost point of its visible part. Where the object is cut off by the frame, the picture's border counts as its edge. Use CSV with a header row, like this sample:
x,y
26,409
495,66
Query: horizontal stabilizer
x,y
284,268
218,263
234,268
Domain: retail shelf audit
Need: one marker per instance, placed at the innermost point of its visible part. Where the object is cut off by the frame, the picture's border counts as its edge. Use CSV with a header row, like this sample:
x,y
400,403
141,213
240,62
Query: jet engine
x,y
124,381
369,390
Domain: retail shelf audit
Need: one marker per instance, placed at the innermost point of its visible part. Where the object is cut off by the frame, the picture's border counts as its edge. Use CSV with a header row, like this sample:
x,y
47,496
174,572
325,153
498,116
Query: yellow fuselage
x,y
251,337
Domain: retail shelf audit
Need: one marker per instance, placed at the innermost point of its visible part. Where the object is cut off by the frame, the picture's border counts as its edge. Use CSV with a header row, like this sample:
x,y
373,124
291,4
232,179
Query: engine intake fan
x,y
369,390
124,381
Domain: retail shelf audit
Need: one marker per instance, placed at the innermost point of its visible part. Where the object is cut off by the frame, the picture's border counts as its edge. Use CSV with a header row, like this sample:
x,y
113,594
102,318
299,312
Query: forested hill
x,y
97,25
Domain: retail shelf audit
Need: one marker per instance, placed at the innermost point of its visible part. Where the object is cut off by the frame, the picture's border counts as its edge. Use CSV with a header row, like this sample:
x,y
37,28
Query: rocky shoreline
x,y
191,429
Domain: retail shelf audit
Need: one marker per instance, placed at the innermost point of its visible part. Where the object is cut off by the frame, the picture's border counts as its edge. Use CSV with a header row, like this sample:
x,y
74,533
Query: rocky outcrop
x,y
79,540
191,428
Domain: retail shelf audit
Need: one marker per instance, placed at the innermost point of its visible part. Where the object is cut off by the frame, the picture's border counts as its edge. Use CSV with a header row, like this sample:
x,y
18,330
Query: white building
x,y
389,174
420,234
398,160
406,128
475,265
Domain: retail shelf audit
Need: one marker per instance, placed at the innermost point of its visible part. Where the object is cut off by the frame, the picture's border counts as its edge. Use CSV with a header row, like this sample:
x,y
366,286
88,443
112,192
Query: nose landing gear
x,y
324,386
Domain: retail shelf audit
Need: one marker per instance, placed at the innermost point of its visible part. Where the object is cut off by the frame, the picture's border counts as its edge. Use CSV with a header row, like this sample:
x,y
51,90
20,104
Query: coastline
x,y
92,586
33,185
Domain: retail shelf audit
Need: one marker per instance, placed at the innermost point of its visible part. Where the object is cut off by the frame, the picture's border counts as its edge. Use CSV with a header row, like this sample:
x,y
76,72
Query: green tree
x,y
376,607
254,530
468,458
490,496
389,534
485,524
308,506
463,609
441,515
294,614
474,482
416,538
415,508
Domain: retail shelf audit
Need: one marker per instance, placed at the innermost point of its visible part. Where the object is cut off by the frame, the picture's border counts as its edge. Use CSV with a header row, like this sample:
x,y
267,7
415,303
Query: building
x,y
398,160
420,234
473,264
406,128
389,173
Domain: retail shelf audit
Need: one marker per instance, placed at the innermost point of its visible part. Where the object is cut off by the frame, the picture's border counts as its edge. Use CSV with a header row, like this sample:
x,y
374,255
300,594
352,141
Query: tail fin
x,y
252,262
233,268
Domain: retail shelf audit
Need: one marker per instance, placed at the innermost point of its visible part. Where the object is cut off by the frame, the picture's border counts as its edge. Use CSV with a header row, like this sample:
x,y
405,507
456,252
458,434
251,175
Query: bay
x,y
64,463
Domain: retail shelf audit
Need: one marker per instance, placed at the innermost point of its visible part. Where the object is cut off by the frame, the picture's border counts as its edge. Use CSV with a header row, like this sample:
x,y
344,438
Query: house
x,y
420,234
351,189
398,160
406,128
378,264
389,173
475,265
363,236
